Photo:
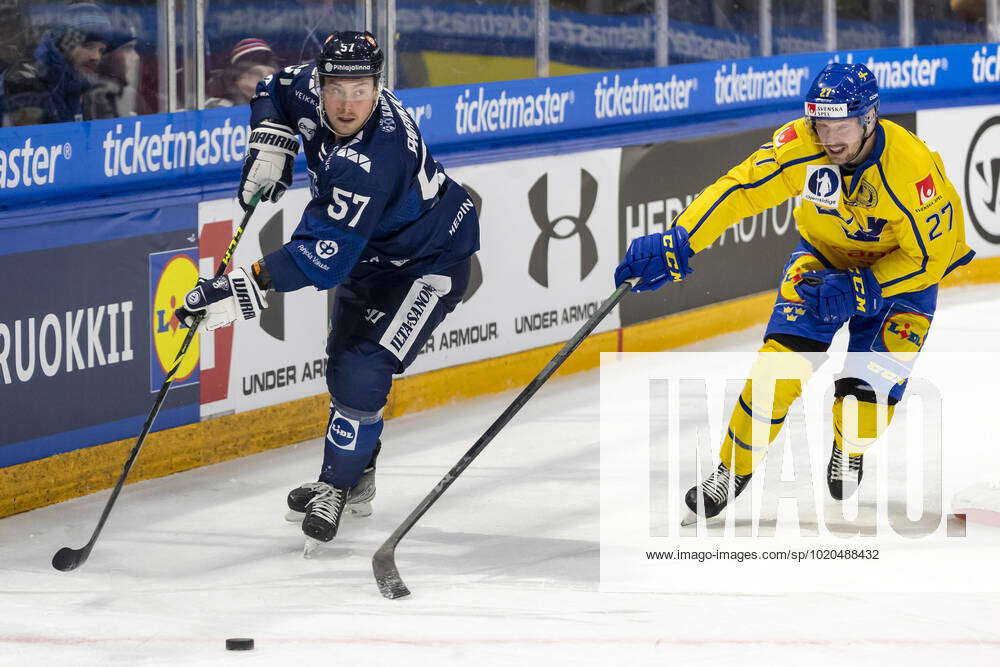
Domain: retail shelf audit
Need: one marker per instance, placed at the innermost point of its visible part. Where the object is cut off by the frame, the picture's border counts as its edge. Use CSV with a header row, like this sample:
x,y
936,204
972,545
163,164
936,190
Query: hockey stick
x,y
67,559
390,584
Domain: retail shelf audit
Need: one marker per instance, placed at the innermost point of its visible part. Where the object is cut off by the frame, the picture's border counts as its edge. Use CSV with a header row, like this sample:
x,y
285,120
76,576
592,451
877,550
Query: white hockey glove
x,y
223,299
271,152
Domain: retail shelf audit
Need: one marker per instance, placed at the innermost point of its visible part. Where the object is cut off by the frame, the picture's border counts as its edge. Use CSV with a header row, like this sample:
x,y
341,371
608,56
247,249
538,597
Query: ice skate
x,y
323,513
714,493
359,500
298,499
843,477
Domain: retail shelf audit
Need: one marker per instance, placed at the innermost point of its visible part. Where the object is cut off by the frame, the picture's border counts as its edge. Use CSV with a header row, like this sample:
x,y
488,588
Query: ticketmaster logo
x,y
750,85
489,114
632,99
140,153
914,72
29,165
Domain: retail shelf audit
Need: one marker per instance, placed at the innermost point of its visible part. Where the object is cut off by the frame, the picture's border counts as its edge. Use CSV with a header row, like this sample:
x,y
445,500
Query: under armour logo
x,y
538,202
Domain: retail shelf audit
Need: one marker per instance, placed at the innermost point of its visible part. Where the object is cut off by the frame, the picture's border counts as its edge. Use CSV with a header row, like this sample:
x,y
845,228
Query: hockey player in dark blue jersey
x,y
385,225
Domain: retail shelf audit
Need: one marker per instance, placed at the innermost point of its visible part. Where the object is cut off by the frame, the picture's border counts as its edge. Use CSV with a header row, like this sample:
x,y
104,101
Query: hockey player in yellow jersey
x,y
880,226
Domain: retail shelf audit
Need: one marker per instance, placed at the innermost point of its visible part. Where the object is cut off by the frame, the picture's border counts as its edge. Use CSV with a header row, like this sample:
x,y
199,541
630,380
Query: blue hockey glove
x,y
835,296
223,299
656,259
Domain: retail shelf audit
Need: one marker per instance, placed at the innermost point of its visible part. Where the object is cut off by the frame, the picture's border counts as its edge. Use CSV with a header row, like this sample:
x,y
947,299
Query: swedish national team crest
x,y
171,275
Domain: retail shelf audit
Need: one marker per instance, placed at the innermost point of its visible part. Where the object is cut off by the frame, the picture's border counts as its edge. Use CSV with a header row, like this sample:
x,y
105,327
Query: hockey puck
x,y
239,644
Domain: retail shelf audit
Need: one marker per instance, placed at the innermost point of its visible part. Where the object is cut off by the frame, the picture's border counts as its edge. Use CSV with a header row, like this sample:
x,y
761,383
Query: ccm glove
x,y
223,299
271,152
835,296
656,259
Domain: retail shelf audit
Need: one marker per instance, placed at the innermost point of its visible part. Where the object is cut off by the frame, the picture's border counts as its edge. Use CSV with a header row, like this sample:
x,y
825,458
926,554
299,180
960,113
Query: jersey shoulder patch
x,y
794,140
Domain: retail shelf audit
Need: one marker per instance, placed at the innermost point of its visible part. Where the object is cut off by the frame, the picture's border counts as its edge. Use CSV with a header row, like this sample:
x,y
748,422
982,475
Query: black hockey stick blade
x,y
390,584
67,559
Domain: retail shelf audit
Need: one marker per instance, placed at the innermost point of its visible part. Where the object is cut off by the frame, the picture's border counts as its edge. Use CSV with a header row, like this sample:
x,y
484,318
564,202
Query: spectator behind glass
x,y
114,92
50,87
250,61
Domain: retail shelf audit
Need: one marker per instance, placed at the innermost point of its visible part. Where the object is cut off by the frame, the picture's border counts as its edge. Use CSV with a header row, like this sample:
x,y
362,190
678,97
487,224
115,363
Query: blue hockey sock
x,y
351,437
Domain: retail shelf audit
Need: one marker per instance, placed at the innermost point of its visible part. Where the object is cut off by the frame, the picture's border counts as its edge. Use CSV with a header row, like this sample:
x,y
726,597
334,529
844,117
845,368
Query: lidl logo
x,y
903,334
171,275
343,432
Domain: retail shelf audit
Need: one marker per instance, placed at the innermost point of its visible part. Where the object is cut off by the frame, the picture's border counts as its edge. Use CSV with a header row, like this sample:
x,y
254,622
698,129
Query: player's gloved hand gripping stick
x,y
384,561
69,559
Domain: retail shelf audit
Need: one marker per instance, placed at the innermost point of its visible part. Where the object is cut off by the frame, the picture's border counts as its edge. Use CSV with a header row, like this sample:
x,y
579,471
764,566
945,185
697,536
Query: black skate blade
x,y
311,548
67,559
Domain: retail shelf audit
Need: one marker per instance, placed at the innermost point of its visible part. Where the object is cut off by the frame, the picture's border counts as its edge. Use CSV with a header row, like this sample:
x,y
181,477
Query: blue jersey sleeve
x,y
335,229
271,99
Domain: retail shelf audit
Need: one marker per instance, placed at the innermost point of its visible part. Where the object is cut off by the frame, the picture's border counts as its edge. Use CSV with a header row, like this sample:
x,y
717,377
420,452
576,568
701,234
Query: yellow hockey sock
x,y
775,381
856,431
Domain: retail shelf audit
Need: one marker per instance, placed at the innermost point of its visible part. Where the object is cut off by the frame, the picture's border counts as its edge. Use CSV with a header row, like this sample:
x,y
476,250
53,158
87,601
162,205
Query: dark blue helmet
x,y
350,54
842,90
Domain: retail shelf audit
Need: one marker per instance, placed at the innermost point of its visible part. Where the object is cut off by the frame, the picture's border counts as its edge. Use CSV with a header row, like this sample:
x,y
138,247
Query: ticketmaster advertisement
x,y
281,356
49,162
968,139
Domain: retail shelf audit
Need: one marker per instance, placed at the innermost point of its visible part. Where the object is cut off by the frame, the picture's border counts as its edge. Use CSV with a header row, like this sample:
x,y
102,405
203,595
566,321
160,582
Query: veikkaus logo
x,y
986,68
139,153
734,86
913,72
615,99
474,115
29,165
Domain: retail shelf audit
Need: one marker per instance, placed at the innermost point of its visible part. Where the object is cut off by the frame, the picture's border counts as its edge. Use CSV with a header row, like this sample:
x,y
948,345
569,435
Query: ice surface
x,y
504,569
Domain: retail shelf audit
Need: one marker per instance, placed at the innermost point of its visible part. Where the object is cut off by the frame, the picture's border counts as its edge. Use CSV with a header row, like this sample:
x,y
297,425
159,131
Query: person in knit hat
x,y
250,61
114,91
49,88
